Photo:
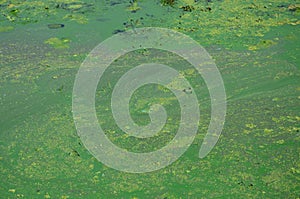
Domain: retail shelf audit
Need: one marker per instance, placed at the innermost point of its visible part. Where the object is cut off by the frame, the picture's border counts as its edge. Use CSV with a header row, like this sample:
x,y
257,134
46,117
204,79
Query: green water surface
x,y
255,45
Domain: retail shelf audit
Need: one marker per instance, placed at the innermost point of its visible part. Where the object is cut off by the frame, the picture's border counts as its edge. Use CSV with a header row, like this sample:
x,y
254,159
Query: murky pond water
x,y
255,46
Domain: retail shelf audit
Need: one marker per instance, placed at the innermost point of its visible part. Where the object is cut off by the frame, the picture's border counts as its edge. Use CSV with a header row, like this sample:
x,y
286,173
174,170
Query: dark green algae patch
x,y
254,45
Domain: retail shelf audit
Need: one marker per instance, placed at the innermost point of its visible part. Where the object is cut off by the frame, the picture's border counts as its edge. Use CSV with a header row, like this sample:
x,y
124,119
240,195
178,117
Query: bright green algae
x,y
254,45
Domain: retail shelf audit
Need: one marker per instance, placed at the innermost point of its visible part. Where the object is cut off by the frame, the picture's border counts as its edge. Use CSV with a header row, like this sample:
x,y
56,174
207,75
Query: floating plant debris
x,y
168,2
118,31
58,43
187,8
133,6
55,26
76,7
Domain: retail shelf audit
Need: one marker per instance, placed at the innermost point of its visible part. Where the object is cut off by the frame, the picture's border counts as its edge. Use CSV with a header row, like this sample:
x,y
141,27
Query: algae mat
x,y
255,46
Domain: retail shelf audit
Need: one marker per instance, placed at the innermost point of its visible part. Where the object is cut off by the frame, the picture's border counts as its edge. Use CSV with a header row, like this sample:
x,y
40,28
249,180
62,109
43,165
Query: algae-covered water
x,y
255,45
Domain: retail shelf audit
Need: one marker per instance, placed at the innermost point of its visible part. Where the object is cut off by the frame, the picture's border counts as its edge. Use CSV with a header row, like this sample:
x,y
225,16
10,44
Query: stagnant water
x,y
255,46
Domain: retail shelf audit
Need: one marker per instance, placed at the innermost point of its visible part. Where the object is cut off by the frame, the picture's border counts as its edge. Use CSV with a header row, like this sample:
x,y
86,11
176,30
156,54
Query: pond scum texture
x,y
255,45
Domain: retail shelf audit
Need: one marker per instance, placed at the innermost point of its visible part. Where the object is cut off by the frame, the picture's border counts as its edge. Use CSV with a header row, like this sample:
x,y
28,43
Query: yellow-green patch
x,y
6,28
58,43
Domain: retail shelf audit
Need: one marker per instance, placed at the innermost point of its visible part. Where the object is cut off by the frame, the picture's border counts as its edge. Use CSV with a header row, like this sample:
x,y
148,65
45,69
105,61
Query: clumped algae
x,y
58,43
225,21
35,11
